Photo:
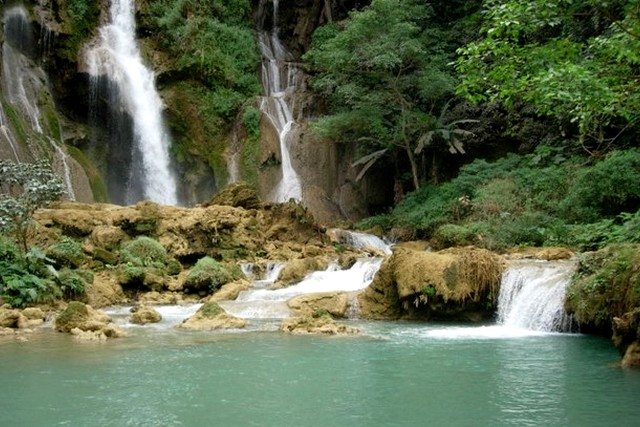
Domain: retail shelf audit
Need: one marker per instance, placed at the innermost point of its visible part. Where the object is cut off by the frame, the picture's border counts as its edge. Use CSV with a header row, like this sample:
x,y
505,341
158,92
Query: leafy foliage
x,y
25,187
546,54
207,276
382,70
66,252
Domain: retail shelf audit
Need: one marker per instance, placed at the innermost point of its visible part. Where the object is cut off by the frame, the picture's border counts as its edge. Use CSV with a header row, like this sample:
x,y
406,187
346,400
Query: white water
x,y
7,135
20,83
280,78
117,56
530,303
361,240
272,304
172,315
66,175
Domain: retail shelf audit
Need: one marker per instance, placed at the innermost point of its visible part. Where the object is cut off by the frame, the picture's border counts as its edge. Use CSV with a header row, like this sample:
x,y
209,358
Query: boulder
x,y
334,303
82,317
626,337
320,323
239,195
107,237
144,315
231,290
212,317
105,290
295,270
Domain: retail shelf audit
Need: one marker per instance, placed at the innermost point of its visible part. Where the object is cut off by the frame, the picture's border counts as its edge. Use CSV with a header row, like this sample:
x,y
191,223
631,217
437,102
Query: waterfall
x,y
261,303
21,84
361,241
280,79
117,58
64,158
6,134
532,296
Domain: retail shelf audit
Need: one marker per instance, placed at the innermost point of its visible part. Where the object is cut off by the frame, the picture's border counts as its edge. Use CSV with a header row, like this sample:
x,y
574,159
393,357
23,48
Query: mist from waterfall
x,y
144,168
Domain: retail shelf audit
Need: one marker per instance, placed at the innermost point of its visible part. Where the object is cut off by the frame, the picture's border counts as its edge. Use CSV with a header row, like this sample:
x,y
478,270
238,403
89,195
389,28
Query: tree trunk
x,y
414,167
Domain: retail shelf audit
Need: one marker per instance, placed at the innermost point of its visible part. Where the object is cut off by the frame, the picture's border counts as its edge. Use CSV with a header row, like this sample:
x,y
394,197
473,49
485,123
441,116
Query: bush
x,y
453,235
67,252
207,276
73,283
144,252
210,309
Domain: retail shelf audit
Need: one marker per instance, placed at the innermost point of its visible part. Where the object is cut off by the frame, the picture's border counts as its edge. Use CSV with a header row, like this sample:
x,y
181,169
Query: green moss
x,y
16,124
98,187
207,276
210,309
320,312
250,161
130,276
144,252
67,252
73,283
105,256
75,314
606,285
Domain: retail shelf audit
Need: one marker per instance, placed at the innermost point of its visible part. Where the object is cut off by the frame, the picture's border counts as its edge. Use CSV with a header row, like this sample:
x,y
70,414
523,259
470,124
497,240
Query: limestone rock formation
x,y
297,269
212,317
143,315
230,291
626,337
239,195
319,323
79,318
334,303
27,318
441,284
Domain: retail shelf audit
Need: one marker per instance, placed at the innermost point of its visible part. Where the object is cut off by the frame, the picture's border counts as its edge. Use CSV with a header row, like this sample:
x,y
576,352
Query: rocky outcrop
x,y
334,303
143,315
318,323
86,323
230,291
457,283
27,318
238,195
212,317
105,290
626,337
295,270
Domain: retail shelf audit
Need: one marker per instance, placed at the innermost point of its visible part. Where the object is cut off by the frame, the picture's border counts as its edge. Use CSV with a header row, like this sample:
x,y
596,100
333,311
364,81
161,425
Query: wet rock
x,y
144,315
161,298
295,270
83,318
334,303
231,290
212,317
322,324
105,290
626,337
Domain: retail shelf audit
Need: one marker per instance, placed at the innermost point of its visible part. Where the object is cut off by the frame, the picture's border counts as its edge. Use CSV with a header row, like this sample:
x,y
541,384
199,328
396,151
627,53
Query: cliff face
x,y
208,150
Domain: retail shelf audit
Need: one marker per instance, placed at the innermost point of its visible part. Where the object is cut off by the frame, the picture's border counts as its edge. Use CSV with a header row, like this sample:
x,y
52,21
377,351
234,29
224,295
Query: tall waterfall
x,y
117,58
532,295
280,79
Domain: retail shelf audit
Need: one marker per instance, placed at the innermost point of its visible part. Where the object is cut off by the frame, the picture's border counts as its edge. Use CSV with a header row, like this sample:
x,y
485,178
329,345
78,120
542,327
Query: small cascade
x,y
117,59
7,136
280,79
361,240
64,158
532,296
172,315
261,303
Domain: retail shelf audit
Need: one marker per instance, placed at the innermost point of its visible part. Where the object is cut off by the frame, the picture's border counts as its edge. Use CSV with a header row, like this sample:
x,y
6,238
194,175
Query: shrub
x,y
207,276
453,235
144,252
73,283
606,285
67,252
210,309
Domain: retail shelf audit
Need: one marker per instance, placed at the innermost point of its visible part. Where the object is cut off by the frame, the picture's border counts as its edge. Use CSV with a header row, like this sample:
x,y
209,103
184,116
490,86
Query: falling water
x,y
21,82
361,241
280,78
117,57
532,296
6,134
261,303
64,157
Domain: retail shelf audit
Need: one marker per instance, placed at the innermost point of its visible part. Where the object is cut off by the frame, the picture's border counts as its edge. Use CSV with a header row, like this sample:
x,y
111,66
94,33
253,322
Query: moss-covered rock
x,y
81,316
295,270
457,283
238,194
211,317
207,276
320,324
67,252
334,303
144,315
606,285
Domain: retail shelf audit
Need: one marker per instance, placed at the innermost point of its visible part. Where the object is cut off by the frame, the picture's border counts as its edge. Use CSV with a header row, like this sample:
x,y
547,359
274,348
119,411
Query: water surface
x,y
399,374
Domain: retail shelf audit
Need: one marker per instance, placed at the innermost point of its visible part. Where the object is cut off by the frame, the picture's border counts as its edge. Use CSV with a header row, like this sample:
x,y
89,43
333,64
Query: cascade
x,y
361,240
7,136
261,303
532,296
116,58
64,158
280,79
